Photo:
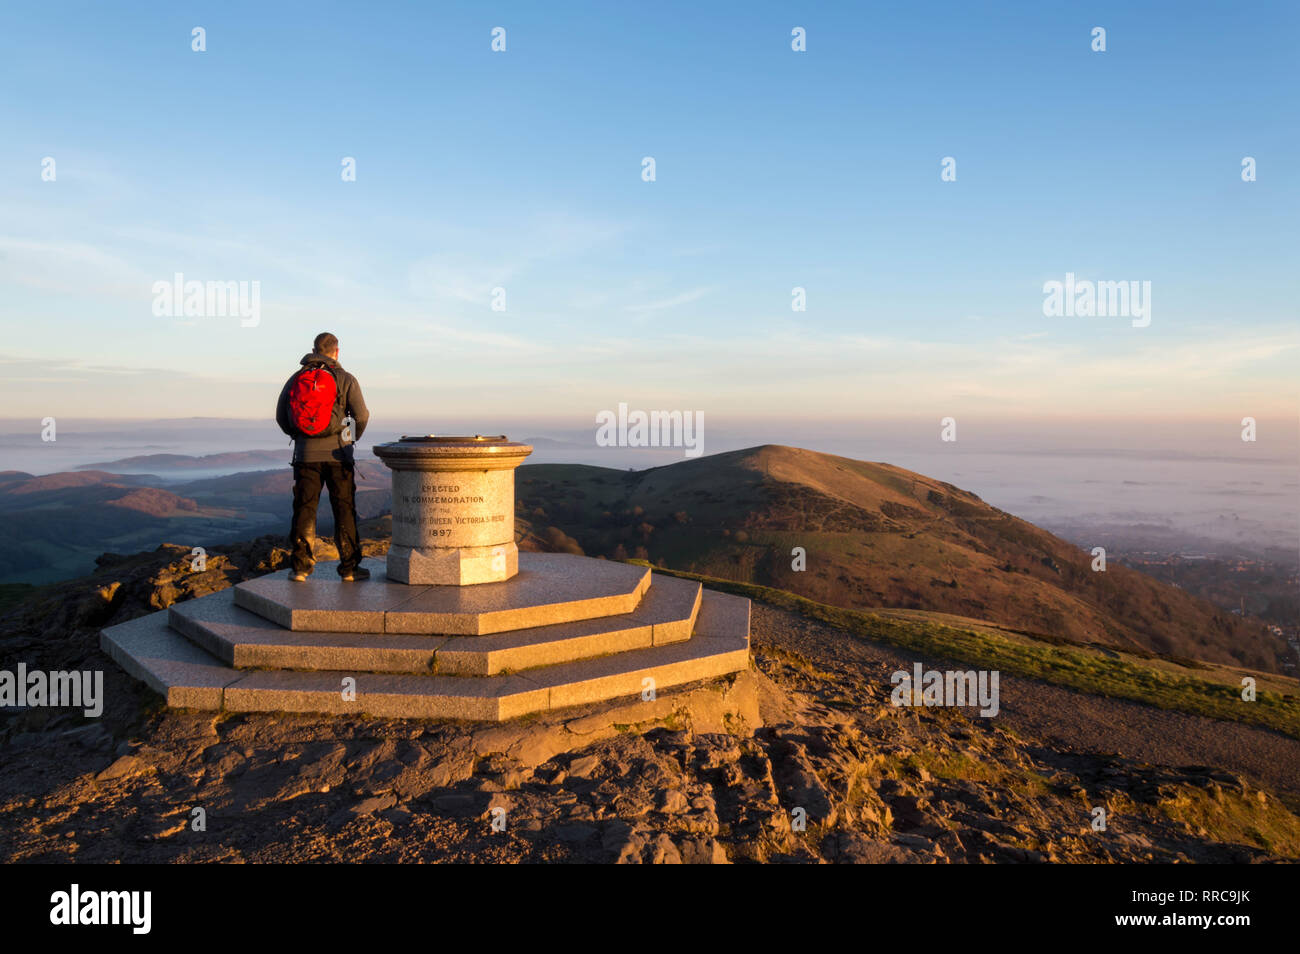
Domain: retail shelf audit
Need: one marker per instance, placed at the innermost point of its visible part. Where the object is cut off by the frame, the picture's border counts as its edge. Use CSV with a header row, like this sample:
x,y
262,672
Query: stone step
x,y
183,674
550,588
244,640
666,614
188,677
720,645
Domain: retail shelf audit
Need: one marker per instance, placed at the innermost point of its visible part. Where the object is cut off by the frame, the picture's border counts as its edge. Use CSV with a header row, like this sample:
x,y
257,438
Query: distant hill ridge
x,y
875,536
159,463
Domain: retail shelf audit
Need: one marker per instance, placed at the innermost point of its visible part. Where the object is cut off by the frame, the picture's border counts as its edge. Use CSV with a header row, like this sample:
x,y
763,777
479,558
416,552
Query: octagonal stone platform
x,y
188,676
243,639
549,588
567,631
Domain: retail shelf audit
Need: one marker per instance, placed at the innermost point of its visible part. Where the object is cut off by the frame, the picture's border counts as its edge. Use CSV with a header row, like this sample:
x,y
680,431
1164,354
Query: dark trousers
x,y
340,480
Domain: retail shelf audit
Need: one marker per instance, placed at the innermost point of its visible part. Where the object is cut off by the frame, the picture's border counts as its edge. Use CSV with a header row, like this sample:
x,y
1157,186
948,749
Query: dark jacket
x,y
330,445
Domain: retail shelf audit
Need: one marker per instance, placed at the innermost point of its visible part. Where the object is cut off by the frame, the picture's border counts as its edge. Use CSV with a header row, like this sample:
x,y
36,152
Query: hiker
x,y
312,409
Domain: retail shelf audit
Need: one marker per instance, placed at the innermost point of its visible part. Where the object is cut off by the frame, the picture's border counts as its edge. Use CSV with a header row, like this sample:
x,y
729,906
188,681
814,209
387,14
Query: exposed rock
x,y
664,852
124,767
671,801
368,806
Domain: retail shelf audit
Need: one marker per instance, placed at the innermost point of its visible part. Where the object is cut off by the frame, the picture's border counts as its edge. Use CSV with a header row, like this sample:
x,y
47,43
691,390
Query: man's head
x,y
326,344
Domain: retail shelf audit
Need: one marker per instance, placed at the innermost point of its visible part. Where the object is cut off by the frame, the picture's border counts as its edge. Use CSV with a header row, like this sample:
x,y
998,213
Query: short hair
x,y
325,343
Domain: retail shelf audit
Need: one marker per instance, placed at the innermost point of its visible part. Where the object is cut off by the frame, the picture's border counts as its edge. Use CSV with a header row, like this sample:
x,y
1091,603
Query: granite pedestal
x,y
453,508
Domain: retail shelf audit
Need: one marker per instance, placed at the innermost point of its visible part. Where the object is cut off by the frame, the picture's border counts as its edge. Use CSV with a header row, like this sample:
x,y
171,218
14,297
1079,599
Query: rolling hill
x,y
875,536
54,526
168,463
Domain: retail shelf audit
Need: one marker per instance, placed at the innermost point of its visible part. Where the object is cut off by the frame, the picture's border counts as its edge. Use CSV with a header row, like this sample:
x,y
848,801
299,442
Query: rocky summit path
x,y
1066,720
835,773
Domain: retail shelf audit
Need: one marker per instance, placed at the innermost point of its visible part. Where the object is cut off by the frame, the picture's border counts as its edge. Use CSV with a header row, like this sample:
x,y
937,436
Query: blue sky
x,y
775,169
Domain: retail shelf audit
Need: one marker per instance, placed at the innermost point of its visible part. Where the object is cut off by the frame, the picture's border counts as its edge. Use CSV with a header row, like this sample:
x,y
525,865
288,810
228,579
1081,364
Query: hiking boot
x,y
360,573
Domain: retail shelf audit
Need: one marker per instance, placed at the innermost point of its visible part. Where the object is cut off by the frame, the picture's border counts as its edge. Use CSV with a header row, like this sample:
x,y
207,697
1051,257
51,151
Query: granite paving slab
x,y
549,588
245,640
386,695
720,645
165,661
666,614
324,602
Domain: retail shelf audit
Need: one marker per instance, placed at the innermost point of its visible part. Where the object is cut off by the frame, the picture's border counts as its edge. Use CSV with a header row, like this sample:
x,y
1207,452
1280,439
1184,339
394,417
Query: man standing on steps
x,y
321,408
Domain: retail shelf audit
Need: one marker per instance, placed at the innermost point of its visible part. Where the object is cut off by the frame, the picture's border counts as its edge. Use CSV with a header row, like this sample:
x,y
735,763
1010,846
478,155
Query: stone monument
x,y
453,508
455,623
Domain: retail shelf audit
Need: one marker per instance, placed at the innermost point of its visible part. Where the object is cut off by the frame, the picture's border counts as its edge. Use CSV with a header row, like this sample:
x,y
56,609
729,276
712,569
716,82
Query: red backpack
x,y
312,394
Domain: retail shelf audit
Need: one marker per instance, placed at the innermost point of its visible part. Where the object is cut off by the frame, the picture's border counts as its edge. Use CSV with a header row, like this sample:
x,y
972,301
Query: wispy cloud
x,y
457,278
492,255
14,368
69,266
685,298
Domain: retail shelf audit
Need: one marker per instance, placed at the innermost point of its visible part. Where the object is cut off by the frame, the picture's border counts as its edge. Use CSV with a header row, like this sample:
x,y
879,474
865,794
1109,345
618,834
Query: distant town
x,y
1264,589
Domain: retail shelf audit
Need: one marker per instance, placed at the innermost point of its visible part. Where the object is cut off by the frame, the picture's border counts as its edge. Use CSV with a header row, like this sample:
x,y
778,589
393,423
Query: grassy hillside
x,y
1186,686
876,536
